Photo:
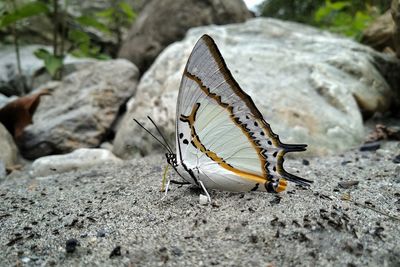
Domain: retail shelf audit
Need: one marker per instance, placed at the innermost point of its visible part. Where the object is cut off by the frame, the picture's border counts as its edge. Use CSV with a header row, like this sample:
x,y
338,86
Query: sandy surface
x,y
113,215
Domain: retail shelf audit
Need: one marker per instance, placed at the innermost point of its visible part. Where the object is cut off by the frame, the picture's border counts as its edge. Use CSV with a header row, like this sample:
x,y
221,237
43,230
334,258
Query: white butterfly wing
x,y
220,132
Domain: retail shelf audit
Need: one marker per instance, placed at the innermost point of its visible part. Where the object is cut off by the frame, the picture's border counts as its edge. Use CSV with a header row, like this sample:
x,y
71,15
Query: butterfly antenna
x,y
165,146
159,131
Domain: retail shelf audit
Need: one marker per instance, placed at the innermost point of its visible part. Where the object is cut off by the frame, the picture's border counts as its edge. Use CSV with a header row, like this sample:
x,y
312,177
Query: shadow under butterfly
x,y
222,139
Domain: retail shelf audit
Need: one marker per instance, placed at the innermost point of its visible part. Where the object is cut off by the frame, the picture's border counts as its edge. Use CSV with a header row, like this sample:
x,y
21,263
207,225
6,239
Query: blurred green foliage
x,y
348,17
72,33
21,12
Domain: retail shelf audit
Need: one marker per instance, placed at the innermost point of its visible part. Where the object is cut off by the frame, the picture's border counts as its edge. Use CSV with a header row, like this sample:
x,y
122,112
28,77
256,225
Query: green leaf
x,y
25,11
106,13
92,22
102,56
322,13
42,53
339,5
78,37
127,10
361,20
52,63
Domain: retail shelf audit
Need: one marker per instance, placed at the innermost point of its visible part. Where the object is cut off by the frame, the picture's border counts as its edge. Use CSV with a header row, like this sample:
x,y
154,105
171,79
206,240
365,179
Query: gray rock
x,y
3,170
298,227
4,100
8,149
82,158
309,84
161,23
81,110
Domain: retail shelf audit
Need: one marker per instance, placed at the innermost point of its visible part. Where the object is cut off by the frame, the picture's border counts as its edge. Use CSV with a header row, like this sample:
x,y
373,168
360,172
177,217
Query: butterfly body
x,y
222,139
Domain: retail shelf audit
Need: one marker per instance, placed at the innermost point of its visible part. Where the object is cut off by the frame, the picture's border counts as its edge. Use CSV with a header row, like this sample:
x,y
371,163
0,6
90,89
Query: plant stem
x,y
55,21
63,17
16,46
117,23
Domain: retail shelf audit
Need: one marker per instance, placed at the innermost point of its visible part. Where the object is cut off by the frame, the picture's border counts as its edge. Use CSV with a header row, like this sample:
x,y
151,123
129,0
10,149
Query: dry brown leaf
x,y
17,114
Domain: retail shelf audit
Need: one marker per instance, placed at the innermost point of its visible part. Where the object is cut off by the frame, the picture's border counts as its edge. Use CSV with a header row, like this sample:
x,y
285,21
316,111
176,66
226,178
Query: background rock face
x,y
80,110
161,23
307,84
395,10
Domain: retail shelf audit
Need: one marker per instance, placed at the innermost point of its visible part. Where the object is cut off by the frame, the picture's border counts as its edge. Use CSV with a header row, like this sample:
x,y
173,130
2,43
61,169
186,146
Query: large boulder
x,y
81,109
310,85
161,23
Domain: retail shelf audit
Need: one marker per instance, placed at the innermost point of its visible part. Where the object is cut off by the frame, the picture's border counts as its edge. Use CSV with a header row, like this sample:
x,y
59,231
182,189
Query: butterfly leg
x,y
166,188
205,191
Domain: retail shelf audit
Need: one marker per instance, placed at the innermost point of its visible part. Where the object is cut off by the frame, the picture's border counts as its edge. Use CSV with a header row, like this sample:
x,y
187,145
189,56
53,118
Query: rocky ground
x,y
113,215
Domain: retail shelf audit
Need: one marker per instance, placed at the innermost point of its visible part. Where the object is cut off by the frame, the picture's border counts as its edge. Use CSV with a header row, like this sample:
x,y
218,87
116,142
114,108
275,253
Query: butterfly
x,y
222,139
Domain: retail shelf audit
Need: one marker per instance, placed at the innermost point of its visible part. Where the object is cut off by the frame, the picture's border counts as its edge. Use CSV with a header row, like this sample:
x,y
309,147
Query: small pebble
x,y
348,184
306,162
70,245
101,233
203,199
345,162
115,252
177,251
25,259
83,235
371,146
396,159
345,197
253,238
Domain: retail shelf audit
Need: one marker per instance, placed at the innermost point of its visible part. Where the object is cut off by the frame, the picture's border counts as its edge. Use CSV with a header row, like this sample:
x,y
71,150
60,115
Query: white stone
x,y
82,158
